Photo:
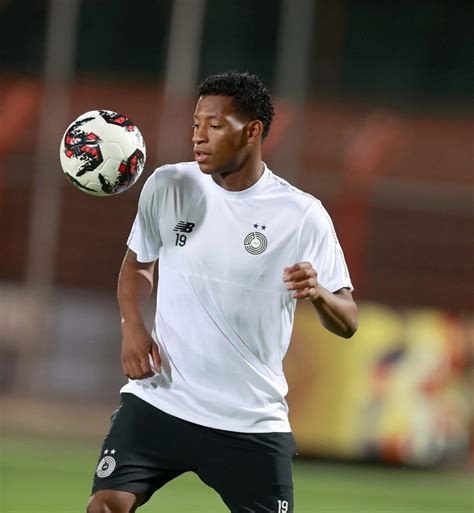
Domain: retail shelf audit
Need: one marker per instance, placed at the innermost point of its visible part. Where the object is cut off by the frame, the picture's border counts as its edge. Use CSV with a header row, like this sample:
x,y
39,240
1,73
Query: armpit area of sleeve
x,y
338,281
336,287
142,256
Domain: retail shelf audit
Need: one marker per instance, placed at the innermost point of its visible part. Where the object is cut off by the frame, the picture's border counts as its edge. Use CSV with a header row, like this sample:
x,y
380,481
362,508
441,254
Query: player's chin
x,y
206,168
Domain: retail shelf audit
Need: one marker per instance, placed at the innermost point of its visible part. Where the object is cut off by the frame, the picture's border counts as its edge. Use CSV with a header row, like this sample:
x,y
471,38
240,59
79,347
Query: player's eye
x,y
195,125
216,126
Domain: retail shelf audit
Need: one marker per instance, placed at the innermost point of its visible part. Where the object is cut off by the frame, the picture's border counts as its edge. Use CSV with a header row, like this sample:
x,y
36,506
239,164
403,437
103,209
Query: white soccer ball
x,y
102,153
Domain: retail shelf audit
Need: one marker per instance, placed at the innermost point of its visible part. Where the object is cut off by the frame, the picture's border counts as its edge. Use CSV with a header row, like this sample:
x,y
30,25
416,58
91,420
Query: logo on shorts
x,y
255,242
106,465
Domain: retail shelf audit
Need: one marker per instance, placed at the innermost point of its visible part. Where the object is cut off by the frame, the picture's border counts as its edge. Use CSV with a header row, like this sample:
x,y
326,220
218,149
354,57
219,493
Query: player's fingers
x,y
156,358
301,285
126,366
288,271
291,268
128,370
145,367
299,271
297,266
132,367
300,275
307,293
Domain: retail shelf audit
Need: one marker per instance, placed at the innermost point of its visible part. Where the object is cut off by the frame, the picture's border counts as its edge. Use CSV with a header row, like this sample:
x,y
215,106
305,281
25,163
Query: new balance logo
x,y
184,227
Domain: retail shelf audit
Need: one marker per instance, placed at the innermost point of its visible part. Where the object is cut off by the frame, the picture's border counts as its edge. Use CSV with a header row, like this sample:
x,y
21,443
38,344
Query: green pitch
x,y
46,476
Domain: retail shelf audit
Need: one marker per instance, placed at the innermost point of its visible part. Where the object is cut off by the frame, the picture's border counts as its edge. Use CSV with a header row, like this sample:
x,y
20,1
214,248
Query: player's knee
x,y
108,503
98,506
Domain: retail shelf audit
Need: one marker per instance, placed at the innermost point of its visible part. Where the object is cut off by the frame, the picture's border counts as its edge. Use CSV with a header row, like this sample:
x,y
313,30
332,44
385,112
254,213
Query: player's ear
x,y
254,130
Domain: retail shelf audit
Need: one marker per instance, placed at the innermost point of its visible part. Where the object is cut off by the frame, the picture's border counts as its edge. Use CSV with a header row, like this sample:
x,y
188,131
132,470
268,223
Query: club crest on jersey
x,y
255,242
107,464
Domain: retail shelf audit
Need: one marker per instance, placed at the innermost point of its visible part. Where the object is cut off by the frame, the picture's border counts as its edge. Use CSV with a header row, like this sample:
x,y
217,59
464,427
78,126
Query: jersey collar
x,y
251,191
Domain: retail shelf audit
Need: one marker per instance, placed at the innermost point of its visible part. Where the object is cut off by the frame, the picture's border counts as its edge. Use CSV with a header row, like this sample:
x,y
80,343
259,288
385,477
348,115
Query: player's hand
x,y
302,278
140,356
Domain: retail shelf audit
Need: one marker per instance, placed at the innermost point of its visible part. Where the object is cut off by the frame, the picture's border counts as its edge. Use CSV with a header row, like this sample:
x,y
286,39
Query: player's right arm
x,y
135,285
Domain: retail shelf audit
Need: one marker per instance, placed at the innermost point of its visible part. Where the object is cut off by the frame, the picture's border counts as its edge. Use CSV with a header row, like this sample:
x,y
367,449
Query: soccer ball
x,y
102,153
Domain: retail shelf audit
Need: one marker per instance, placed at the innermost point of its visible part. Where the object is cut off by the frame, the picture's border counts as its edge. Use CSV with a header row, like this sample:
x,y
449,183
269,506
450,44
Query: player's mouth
x,y
201,157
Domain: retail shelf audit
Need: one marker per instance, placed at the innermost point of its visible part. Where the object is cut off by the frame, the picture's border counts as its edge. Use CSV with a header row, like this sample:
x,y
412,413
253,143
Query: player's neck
x,y
244,177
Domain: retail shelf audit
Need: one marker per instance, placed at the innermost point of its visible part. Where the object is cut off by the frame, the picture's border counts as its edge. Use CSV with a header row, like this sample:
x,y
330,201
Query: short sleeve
x,y
319,245
144,238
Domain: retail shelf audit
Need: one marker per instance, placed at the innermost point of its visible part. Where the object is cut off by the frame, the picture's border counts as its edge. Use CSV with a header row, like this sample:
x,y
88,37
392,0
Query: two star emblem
x,y
113,451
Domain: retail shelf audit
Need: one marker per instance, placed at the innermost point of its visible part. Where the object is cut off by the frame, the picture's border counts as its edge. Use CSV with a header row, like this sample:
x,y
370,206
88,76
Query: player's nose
x,y
199,136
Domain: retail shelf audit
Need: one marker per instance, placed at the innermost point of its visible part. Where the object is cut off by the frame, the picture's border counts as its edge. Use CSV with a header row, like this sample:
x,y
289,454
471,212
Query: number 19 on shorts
x,y
282,506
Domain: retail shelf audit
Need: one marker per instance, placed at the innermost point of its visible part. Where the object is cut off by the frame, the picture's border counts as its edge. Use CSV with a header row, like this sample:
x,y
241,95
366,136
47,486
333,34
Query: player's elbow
x,y
353,321
351,327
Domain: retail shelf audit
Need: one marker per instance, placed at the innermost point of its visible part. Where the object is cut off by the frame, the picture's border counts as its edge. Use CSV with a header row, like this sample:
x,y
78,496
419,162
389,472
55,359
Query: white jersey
x,y
224,316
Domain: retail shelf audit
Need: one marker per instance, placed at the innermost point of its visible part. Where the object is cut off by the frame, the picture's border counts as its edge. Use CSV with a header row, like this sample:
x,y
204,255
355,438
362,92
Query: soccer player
x,y
237,246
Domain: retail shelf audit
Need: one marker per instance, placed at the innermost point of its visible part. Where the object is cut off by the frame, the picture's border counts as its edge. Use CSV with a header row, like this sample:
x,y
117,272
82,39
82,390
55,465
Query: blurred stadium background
x,y
374,116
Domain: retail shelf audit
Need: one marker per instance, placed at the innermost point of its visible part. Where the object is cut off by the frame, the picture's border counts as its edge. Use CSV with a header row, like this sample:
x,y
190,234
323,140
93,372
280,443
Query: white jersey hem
x,y
267,426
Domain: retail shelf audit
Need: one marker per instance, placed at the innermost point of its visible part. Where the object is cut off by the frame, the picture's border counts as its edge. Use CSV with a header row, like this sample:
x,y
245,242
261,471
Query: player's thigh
x,y
143,450
116,501
252,472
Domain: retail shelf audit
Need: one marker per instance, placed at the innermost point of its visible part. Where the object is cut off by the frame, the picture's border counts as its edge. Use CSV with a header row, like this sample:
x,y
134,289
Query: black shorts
x,y
146,448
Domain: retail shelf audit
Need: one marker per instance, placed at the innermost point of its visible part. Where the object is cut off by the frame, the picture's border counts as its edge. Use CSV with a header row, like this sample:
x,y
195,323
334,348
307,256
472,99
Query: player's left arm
x,y
336,310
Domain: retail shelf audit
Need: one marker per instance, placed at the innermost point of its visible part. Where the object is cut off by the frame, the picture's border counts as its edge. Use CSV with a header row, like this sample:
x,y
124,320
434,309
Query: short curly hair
x,y
251,97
